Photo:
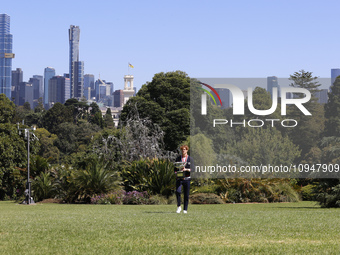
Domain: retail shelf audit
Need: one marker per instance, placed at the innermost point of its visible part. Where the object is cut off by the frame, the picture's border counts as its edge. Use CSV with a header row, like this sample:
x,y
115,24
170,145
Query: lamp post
x,y
29,199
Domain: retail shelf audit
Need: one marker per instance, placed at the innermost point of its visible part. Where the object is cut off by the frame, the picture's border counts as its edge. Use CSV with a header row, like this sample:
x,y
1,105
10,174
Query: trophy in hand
x,y
180,166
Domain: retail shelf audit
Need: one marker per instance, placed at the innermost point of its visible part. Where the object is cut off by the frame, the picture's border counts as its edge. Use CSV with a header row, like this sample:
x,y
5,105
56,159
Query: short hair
x,y
184,146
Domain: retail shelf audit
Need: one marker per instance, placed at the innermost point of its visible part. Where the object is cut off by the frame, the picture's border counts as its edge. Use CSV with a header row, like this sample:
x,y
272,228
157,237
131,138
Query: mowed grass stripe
x,y
280,228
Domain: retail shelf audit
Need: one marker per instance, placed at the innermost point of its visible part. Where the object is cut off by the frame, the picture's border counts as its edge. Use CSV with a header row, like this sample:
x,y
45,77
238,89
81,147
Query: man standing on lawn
x,y
183,178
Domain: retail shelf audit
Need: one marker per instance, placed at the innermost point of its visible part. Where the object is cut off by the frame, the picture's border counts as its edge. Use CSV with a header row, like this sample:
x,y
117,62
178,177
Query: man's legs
x,y
186,189
178,191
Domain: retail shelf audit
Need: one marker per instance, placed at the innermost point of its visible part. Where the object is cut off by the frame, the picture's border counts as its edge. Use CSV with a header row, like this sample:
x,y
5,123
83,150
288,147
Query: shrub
x,y
214,188
156,176
172,200
308,192
115,197
242,190
158,200
43,187
330,198
97,178
119,197
205,198
136,198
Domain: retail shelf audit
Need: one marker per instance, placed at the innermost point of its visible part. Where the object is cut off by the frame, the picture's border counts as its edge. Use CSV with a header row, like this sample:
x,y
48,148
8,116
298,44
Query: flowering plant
x,y
122,197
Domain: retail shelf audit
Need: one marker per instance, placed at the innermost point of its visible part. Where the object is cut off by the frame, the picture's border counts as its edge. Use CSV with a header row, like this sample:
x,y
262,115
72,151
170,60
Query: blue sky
x,y
203,38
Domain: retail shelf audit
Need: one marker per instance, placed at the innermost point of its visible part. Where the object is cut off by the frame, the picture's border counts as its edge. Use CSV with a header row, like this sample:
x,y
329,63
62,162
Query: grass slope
x,y
280,228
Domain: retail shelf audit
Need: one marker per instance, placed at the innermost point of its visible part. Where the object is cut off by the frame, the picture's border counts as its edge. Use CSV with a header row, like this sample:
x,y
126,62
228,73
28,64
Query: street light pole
x,y
28,167
29,199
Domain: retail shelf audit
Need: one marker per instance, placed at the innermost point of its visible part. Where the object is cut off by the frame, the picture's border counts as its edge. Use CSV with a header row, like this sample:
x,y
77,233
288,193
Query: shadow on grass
x,y
299,207
158,212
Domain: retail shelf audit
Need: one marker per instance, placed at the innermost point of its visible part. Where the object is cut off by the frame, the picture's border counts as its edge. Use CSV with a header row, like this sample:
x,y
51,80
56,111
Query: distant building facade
x,y
26,93
40,78
76,67
89,88
118,98
6,55
335,72
322,96
272,82
225,97
17,78
49,72
57,90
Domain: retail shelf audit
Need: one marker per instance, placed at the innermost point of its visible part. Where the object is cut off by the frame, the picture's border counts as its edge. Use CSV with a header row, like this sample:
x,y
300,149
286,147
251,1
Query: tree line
x,y
79,153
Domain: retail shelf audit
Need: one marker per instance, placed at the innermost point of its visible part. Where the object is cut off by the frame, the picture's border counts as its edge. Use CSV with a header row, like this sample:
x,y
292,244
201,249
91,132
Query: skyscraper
x,y
335,72
6,55
26,93
89,88
49,72
41,85
17,78
36,87
118,100
272,82
57,86
76,67
225,97
322,96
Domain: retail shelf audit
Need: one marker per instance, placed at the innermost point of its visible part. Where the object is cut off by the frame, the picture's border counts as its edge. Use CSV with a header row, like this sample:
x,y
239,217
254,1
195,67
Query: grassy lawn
x,y
280,228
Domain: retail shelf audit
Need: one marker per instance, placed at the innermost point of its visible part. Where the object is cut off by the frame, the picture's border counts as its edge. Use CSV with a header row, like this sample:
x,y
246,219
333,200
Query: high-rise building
x,y
272,82
6,55
76,67
41,85
49,72
26,93
56,90
67,88
100,87
89,88
225,97
118,98
17,78
36,86
335,72
322,96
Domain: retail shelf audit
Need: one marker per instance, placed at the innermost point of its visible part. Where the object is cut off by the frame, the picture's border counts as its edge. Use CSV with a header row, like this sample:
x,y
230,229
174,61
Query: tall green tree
x,y
96,116
166,101
264,146
47,148
306,80
332,110
108,118
309,130
79,109
7,109
329,189
13,153
13,160
56,115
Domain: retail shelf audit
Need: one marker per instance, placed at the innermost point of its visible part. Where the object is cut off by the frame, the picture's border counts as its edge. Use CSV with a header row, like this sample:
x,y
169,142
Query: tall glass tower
x,y
49,72
76,67
88,85
6,55
272,82
335,72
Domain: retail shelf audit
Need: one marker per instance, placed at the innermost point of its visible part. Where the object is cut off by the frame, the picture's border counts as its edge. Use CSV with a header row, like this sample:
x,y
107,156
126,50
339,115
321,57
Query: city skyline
x,y
202,39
